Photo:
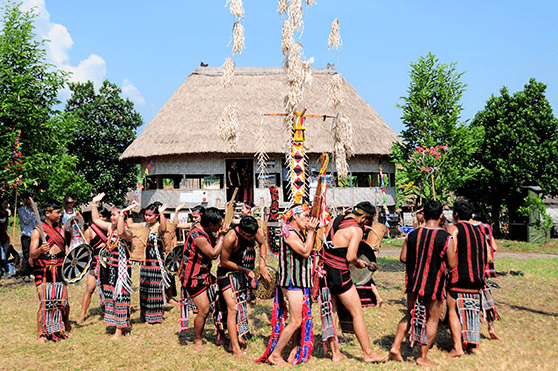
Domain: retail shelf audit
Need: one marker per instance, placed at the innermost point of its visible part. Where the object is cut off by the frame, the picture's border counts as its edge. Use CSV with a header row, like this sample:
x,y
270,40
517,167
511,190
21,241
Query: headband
x,y
248,206
296,211
359,211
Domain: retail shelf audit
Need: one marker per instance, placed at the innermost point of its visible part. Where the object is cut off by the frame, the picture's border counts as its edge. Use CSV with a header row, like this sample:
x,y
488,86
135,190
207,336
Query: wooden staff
x,y
15,215
38,218
229,210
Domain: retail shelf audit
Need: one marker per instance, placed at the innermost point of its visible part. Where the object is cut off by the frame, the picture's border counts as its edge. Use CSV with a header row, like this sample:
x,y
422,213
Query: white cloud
x,y
94,68
130,91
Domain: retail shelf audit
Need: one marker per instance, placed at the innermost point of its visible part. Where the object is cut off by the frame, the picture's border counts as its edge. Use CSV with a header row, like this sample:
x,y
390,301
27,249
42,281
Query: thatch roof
x,y
189,122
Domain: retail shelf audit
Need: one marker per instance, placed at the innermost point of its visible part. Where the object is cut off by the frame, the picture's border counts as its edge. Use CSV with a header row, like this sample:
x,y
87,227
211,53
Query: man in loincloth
x,y
298,237
199,250
47,259
467,280
234,274
427,252
344,239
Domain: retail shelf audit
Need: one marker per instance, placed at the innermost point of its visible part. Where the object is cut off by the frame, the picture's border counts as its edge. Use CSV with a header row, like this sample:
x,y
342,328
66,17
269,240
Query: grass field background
x,y
528,306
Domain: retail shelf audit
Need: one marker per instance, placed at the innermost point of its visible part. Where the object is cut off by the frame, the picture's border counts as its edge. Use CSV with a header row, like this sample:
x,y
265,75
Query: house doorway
x,y
240,174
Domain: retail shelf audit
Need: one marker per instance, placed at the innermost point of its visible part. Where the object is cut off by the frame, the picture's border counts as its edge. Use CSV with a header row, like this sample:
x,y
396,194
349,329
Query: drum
x,y
375,235
76,264
362,277
139,241
173,259
266,290
103,257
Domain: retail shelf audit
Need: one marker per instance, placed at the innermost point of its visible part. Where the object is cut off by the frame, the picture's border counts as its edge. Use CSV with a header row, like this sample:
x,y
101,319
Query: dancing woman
x,y
116,279
153,276
96,237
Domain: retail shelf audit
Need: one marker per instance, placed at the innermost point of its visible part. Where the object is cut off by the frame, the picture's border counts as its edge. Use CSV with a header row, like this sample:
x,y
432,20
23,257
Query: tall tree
x,y
520,148
105,125
433,157
28,96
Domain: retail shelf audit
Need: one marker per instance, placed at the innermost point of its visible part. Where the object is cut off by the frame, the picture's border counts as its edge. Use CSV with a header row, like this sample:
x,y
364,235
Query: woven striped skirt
x,y
152,291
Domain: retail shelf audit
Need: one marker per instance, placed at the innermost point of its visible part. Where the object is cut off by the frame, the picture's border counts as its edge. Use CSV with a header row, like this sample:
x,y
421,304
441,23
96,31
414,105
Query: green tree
x,y
105,125
433,155
28,96
520,148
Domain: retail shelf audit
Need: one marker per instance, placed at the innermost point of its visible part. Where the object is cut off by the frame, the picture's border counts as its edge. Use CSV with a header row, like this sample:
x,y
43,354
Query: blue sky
x,y
150,47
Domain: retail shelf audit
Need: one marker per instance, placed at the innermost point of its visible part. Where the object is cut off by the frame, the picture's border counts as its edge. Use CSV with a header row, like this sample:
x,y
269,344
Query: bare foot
x,y
80,320
117,335
395,355
493,335
277,360
41,340
68,327
172,301
198,345
455,353
425,362
292,355
241,355
374,357
338,357
379,303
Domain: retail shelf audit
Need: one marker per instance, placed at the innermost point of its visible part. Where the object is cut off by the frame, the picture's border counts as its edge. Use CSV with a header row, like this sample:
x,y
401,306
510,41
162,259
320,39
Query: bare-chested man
x,y
199,250
47,259
235,268
343,250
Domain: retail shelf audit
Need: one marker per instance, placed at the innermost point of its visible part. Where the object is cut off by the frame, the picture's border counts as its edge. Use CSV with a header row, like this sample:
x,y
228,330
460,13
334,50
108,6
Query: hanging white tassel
x,y
287,33
262,156
334,39
228,73
228,125
236,8
238,38
282,7
336,92
295,14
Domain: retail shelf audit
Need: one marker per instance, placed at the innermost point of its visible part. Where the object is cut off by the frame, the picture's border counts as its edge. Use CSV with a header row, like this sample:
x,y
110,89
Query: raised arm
x,y
296,244
208,250
180,207
121,225
95,213
162,219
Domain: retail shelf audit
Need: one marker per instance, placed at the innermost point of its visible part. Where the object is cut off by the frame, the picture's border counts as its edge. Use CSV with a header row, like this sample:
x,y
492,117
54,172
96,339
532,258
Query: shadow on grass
x,y
526,309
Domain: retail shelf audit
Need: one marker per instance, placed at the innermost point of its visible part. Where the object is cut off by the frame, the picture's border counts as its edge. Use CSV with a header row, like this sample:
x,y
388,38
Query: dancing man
x,y
467,280
298,238
199,250
233,274
47,259
344,238
426,252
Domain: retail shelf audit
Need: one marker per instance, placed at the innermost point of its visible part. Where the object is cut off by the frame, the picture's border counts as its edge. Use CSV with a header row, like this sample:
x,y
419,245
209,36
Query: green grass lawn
x,y
528,306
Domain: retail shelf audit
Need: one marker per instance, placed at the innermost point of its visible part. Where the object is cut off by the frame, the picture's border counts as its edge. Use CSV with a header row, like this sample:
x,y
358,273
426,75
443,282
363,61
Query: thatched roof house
x,y
188,122
183,138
